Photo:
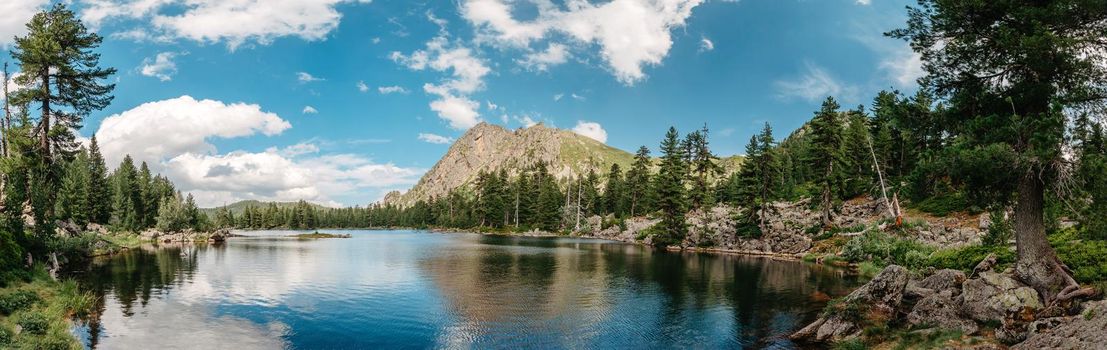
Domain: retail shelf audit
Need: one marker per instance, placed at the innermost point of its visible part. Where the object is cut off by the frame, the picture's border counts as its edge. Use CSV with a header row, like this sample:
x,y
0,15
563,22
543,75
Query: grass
x,y
43,313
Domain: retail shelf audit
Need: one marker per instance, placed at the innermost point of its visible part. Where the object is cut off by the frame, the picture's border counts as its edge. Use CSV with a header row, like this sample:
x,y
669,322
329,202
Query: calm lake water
x,y
416,289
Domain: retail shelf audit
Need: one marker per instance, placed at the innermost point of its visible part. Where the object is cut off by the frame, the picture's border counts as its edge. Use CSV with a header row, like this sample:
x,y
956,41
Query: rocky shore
x,y
992,305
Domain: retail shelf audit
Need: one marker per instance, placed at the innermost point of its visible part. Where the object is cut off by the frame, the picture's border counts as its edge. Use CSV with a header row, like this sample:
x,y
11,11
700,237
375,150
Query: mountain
x,y
490,147
238,207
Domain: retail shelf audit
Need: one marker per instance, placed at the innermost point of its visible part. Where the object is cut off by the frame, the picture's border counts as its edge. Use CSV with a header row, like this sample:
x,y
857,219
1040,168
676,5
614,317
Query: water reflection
x,y
409,289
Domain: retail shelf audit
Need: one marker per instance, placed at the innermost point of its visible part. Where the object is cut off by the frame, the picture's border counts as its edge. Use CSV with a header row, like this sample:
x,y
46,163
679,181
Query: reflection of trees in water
x,y
511,279
138,274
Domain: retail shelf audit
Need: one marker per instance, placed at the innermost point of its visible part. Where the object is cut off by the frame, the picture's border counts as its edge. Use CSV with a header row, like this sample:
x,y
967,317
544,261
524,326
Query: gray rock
x,y
1085,331
941,310
994,296
882,294
945,279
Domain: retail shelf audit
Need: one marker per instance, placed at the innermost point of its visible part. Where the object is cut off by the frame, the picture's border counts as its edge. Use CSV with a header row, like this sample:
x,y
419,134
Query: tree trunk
x,y
44,138
827,222
1037,264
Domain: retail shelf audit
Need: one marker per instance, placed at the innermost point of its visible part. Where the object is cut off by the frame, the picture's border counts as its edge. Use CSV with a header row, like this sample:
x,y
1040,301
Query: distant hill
x,y
238,207
490,147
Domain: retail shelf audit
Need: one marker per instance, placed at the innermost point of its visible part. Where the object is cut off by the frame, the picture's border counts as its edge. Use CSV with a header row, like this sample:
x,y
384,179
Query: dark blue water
x,y
415,289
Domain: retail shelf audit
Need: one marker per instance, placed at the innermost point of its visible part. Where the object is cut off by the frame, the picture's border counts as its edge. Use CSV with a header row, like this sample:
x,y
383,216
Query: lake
x,y
418,289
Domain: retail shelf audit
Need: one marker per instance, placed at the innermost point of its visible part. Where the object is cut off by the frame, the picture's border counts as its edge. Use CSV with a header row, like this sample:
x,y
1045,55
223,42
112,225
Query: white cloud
x,y
901,66
577,97
631,34
173,137
155,131
591,130
491,106
706,44
864,2
162,66
309,110
385,90
466,77
557,97
554,55
16,14
526,120
432,138
234,22
362,87
815,85
460,112
305,77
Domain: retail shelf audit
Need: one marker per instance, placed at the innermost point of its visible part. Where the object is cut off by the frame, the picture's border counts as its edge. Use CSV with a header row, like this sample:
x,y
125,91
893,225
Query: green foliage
x,y
1000,230
671,197
19,299
942,205
6,335
1086,258
883,249
851,344
966,258
35,323
852,310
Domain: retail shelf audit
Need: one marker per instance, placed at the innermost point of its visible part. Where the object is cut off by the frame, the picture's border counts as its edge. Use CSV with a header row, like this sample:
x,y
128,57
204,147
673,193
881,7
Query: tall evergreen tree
x,y
127,195
703,169
614,196
72,201
671,197
638,182
99,189
1011,69
826,130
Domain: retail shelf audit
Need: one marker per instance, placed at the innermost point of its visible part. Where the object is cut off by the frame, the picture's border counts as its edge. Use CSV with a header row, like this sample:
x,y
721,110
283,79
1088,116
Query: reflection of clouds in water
x,y
173,325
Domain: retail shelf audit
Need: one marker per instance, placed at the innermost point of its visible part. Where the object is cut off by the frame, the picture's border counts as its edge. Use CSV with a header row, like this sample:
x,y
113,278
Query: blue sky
x,y
340,101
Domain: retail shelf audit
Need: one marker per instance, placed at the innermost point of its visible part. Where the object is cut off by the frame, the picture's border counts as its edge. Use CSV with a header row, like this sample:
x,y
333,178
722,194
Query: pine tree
x,y
99,189
857,159
671,199
826,129
127,196
1012,70
704,168
638,182
614,196
590,200
146,209
72,201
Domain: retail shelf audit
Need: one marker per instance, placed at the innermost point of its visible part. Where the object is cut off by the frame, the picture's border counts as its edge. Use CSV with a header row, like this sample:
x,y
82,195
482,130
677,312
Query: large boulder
x,y
1085,331
881,296
995,297
941,310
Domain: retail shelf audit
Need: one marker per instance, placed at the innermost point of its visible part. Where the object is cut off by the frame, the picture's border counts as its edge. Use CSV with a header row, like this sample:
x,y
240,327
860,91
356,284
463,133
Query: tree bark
x,y
44,138
827,222
1037,264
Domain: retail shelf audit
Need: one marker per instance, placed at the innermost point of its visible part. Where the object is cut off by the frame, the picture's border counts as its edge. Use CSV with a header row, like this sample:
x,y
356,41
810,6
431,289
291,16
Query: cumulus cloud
x,y
234,22
433,138
156,130
309,110
385,90
174,135
161,66
362,87
16,14
591,130
466,76
814,85
631,34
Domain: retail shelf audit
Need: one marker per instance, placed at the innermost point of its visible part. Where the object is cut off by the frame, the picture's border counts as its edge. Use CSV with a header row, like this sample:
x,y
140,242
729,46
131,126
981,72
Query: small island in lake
x,y
317,234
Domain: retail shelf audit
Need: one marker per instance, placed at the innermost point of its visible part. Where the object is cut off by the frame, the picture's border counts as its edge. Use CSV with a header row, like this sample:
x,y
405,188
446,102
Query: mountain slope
x,y
490,147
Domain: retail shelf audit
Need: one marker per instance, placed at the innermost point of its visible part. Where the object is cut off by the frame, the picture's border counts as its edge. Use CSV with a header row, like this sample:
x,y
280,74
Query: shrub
x,y
966,258
17,300
6,335
851,344
999,231
34,323
883,249
943,205
1084,257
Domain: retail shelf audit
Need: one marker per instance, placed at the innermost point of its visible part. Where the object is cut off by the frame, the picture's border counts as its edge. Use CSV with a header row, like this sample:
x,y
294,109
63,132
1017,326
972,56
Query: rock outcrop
x,y
187,235
881,296
1087,330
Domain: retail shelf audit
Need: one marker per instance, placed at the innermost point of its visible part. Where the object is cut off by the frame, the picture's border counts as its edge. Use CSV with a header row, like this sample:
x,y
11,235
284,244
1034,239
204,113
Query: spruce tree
x,y
614,195
703,168
72,201
638,182
826,130
147,205
127,196
99,189
671,197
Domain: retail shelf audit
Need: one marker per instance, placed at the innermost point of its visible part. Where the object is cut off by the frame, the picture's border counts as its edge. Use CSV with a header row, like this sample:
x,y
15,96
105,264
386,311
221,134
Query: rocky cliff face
x,y
490,147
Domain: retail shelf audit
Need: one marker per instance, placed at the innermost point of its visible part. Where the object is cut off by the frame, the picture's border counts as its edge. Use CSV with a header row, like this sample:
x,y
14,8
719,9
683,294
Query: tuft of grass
x,y
851,344
45,323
